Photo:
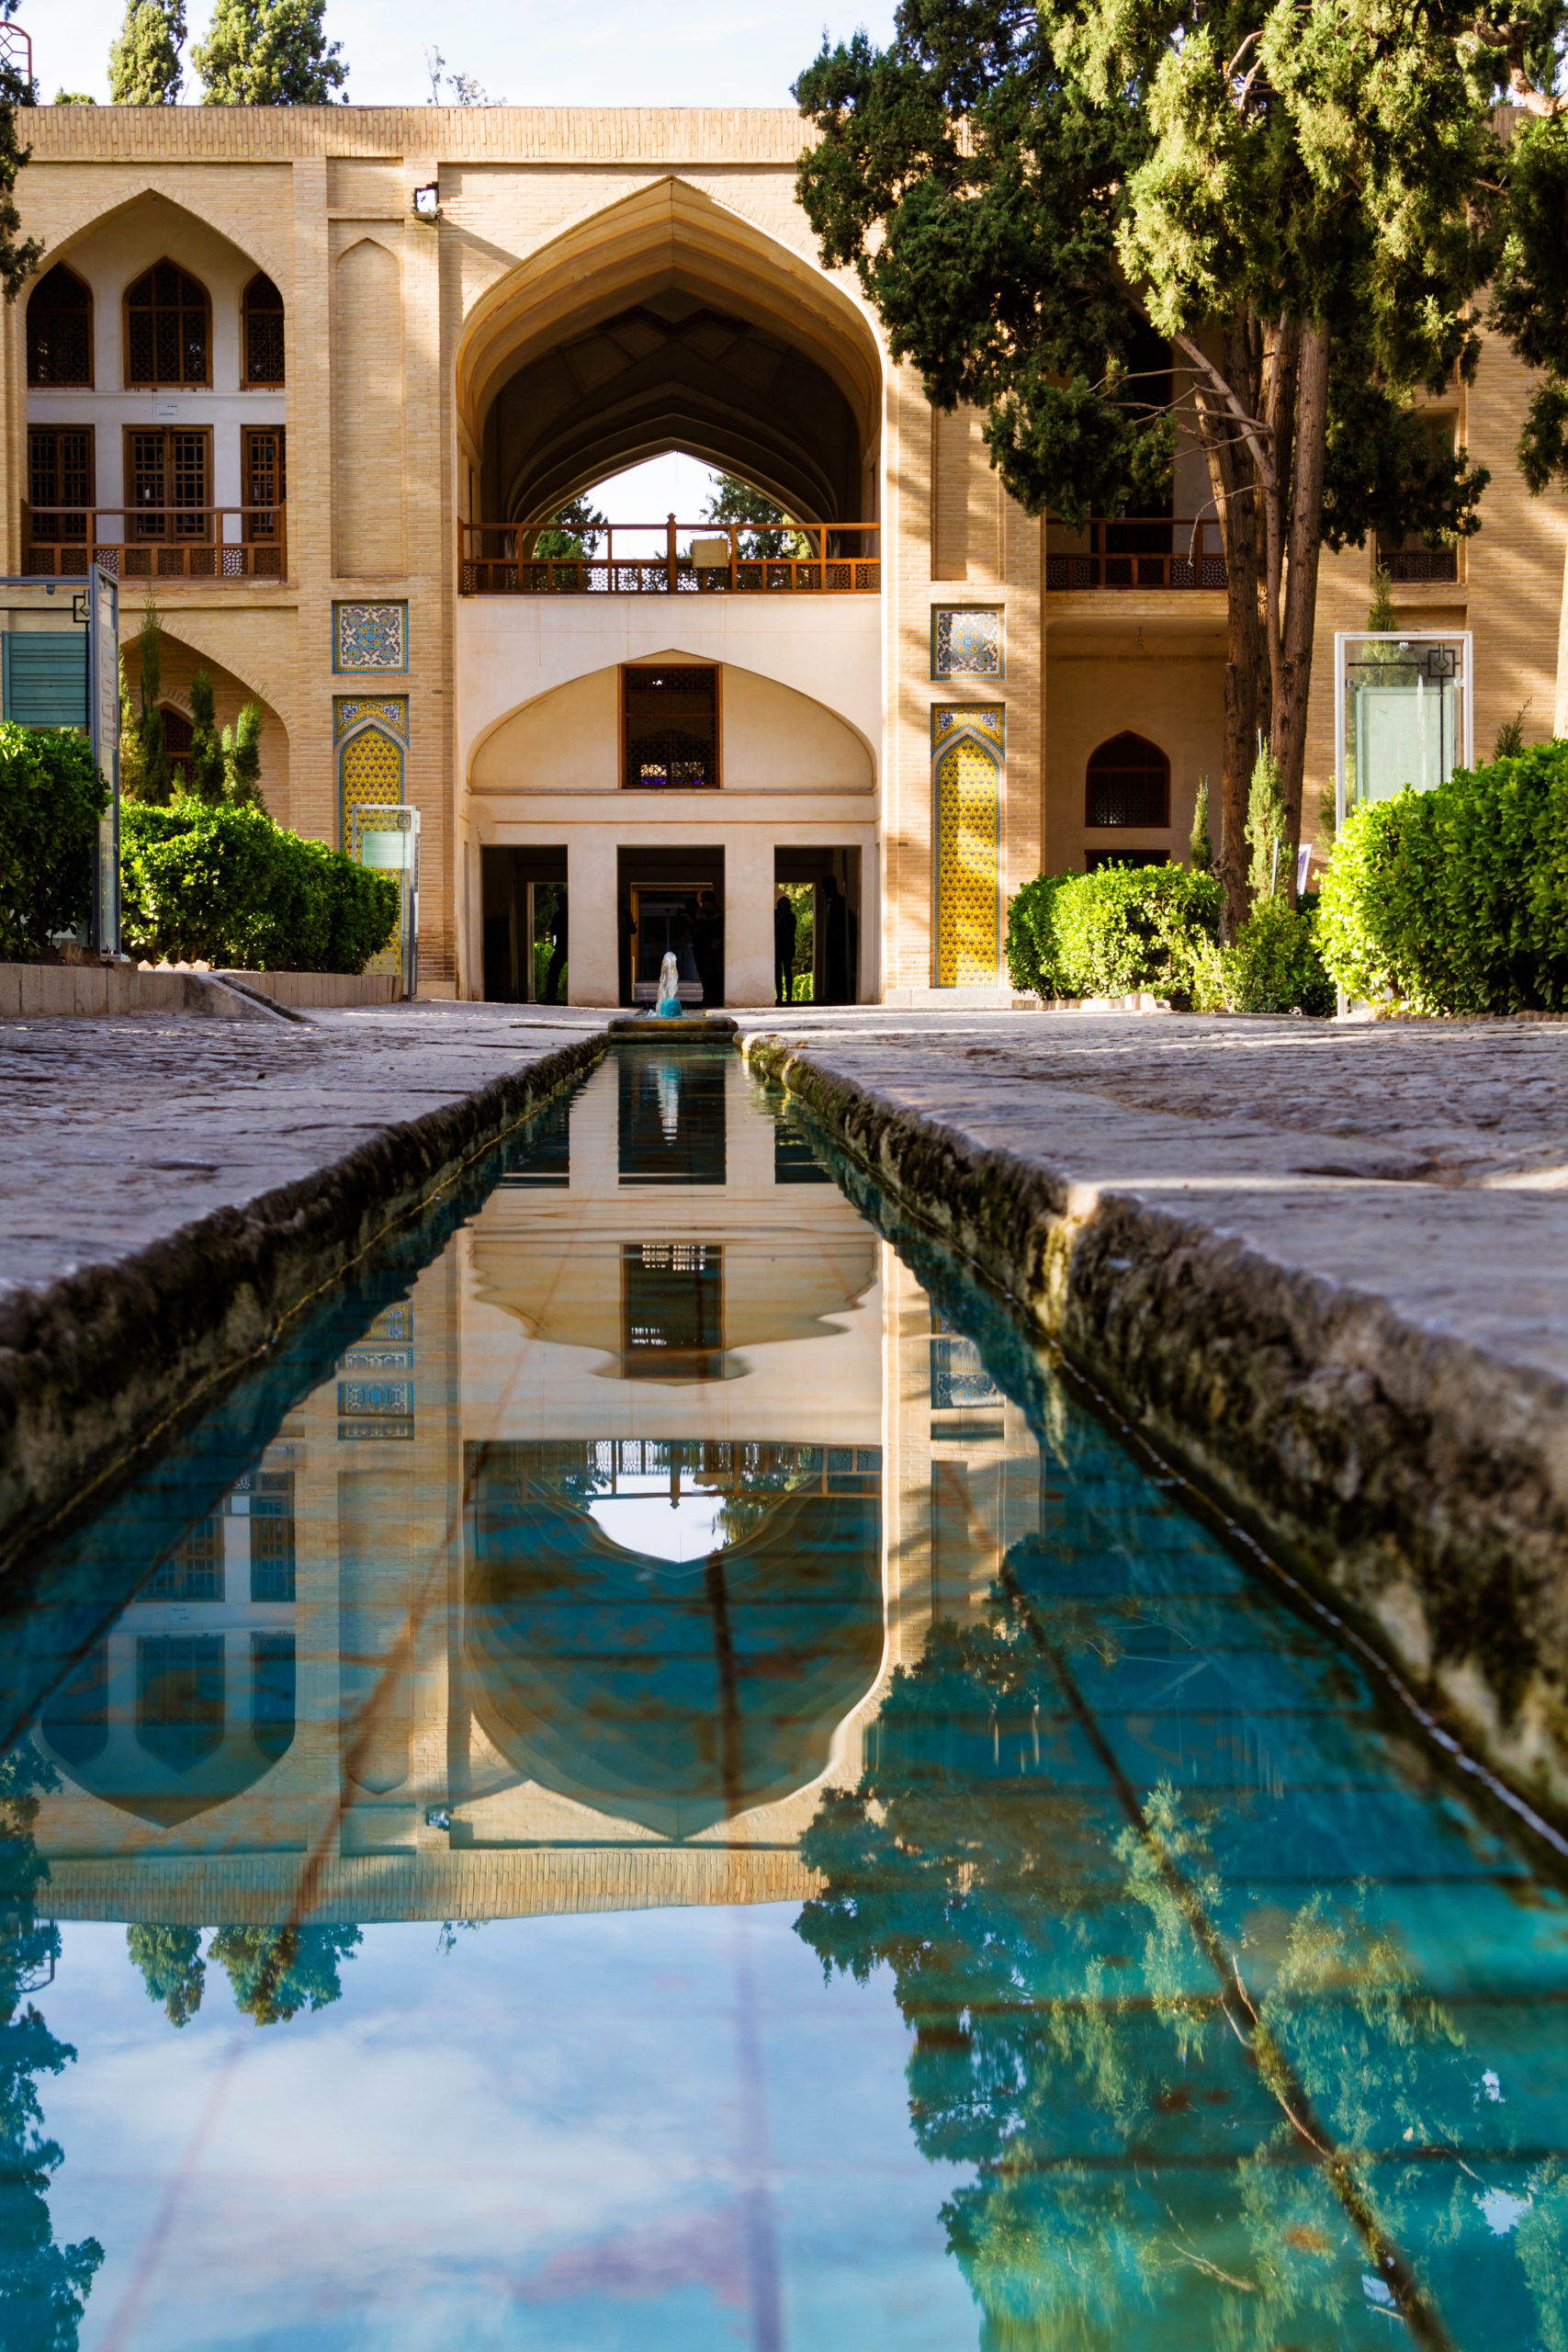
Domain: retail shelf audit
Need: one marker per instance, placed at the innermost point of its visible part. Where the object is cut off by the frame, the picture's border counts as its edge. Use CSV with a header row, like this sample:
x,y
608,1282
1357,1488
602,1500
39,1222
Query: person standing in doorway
x,y
784,949
558,950
707,932
835,943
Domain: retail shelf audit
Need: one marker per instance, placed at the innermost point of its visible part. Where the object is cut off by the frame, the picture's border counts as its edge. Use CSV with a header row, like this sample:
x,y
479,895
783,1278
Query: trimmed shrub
x,y
1107,933
52,796
227,886
1275,965
1456,900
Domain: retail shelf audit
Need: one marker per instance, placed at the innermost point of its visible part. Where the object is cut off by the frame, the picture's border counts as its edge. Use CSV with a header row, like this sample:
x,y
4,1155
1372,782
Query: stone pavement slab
x,y
115,1134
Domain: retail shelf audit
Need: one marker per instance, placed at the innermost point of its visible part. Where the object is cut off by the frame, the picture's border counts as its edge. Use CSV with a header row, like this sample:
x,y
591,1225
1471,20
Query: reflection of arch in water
x,y
167,1723
675,1696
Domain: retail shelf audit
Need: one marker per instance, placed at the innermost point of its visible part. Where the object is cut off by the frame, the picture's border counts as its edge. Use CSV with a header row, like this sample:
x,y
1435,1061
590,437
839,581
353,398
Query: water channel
x,y
653,1778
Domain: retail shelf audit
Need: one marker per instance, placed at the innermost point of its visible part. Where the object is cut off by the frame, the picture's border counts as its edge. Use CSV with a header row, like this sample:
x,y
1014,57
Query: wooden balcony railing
x,y
842,559
1405,565
175,543
1137,551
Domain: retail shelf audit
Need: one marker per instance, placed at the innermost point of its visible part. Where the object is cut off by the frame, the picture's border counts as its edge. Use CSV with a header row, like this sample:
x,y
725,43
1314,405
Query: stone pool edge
x,y
1417,1483
94,1366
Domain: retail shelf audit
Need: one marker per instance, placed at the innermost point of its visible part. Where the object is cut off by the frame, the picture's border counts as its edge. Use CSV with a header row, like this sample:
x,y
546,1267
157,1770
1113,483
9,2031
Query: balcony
x,y
840,560
202,543
1419,566
1137,551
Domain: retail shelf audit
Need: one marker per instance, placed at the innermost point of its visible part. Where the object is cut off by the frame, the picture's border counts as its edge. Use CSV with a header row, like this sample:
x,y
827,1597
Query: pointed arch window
x,y
168,336
1128,782
261,315
59,329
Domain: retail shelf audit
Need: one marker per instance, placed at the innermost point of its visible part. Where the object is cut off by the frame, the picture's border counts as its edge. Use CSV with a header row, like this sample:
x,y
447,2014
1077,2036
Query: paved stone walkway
x,y
1424,1162
113,1134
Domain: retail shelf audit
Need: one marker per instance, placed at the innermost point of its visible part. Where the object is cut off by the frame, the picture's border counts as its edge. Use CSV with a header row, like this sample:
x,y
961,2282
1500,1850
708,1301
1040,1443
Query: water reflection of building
x,y
581,1576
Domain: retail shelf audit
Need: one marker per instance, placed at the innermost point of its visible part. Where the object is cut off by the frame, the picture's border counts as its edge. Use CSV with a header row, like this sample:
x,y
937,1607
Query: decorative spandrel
x,y
967,641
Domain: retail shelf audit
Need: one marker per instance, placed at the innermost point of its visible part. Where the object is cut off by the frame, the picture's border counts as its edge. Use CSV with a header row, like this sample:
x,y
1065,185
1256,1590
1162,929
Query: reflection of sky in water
x,y
538,2141
688,1530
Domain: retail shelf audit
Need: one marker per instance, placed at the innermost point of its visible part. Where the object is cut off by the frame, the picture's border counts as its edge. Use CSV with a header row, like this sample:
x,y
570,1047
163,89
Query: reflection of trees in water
x,y
276,1972
1163,2151
43,2287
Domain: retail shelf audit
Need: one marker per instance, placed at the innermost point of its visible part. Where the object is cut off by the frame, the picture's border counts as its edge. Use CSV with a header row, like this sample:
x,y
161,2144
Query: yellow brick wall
x,y
379,458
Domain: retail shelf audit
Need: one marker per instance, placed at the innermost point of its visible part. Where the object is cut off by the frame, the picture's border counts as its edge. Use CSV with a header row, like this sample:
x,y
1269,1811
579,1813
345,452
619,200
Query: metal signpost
x,y
388,838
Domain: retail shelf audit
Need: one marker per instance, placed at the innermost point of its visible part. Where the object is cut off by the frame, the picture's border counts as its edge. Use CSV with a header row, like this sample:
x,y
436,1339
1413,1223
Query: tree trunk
x,y
1236,492
1292,670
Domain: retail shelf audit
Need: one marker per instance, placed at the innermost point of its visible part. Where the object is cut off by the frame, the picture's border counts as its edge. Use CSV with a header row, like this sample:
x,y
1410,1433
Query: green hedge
x,y
228,885
52,796
1456,900
1107,933
1276,964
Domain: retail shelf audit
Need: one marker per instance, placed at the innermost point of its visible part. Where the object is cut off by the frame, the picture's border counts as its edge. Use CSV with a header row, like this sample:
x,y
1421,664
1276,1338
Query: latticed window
x,y
264,489
194,1569
261,315
166,474
166,328
60,485
1129,783
59,329
670,729
272,1536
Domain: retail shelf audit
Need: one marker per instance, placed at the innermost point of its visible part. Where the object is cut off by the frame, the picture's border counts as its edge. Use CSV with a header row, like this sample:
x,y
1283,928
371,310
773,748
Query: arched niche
x,y
775,739
231,691
668,321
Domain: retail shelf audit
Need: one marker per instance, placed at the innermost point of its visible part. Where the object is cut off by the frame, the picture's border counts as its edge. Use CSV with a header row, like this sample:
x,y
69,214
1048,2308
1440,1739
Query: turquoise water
x,y
651,1778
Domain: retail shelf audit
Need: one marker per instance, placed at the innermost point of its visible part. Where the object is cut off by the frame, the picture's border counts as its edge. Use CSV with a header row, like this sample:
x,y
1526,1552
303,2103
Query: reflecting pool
x,y
652,1779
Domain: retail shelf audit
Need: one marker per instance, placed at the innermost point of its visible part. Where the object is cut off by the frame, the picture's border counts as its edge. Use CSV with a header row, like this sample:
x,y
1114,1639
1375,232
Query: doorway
x,y
823,886
671,901
525,917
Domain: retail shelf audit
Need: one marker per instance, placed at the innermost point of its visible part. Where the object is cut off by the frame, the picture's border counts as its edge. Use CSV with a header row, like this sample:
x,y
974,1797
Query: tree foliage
x,y
43,2287
766,532
204,764
269,54
172,1968
1108,933
277,1971
18,255
144,61
1049,205
574,530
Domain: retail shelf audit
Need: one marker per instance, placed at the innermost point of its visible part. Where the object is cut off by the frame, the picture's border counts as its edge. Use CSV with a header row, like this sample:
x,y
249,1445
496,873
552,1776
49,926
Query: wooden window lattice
x,y
262,314
60,480
1128,782
166,328
168,473
265,488
670,729
59,330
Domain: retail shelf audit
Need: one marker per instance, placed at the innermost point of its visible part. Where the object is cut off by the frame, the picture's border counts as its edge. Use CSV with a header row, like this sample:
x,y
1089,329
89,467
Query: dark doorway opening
x,y
671,901
823,886
526,922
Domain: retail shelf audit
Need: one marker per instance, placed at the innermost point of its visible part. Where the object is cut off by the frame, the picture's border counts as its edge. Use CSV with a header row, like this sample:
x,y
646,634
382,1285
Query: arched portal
x,y
666,322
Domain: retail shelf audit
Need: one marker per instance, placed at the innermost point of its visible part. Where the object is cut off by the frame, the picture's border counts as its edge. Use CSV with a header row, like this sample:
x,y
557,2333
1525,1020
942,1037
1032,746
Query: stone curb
x,y
1420,1481
97,1364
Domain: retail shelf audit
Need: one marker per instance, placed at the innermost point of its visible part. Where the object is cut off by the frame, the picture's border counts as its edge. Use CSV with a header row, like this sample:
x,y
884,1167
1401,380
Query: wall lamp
x,y
428,201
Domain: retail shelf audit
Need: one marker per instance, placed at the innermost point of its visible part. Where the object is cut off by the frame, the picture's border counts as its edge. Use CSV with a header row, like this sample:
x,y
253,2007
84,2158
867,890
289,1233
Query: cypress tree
x,y
269,54
157,774
207,766
144,62
242,759
1201,849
